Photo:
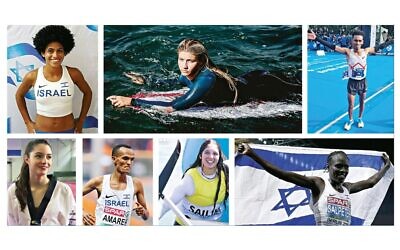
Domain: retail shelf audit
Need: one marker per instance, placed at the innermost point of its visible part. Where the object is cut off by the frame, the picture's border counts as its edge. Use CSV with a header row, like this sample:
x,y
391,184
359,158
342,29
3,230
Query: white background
x,y
43,12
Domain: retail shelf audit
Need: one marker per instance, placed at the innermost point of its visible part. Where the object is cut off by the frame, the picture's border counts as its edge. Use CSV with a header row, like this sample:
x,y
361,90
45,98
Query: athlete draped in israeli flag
x,y
331,200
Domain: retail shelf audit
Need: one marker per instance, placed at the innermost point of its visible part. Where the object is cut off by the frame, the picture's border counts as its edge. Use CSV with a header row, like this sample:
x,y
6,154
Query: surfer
x,y
211,85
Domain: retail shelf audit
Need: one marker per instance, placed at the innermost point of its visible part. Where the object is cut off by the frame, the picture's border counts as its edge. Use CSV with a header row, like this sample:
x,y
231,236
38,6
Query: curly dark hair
x,y
54,33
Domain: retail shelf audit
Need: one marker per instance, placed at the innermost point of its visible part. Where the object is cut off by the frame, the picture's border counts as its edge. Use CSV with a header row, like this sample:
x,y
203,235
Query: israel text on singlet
x,y
114,207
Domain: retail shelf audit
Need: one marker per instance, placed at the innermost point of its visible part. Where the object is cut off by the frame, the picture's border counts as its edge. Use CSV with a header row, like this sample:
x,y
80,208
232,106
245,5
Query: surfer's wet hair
x,y
221,167
196,48
54,33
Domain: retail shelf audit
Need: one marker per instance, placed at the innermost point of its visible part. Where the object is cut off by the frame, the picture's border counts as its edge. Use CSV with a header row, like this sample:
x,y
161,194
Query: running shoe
x,y
360,123
348,124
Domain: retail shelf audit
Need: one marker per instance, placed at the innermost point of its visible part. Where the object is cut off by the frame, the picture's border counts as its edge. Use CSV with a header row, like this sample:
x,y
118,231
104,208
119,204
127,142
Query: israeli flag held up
x,y
262,199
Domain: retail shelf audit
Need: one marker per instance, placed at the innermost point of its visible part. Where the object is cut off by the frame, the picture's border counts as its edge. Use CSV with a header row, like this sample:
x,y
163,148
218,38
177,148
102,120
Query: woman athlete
x,y
331,200
211,85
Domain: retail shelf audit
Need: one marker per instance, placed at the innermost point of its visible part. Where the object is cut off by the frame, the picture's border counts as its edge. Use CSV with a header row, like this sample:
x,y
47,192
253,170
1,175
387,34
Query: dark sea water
x,y
151,51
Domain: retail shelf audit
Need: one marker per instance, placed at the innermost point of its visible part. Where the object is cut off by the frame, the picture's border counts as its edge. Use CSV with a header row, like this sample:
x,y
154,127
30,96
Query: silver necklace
x,y
208,177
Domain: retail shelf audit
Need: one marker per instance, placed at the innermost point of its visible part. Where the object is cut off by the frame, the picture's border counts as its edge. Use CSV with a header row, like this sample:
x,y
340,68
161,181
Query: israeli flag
x,y
262,199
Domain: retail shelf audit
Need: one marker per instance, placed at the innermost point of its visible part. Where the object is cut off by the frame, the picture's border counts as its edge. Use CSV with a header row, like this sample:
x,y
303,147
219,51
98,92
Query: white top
x,y
184,188
187,188
54,99
357,69
333,208
114,207
59,211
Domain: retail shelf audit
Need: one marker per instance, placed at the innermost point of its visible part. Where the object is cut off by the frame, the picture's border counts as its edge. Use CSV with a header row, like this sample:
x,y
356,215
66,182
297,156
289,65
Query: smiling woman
x,y
37,198
53,86
204,189
330,193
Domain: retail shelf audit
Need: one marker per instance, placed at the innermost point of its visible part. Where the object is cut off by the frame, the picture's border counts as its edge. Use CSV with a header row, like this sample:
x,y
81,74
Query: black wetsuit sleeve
x,y
201,86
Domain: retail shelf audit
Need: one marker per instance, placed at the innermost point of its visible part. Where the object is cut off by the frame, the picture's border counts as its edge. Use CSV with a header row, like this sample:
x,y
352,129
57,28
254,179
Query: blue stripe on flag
x,y
306,221
306,162
23,49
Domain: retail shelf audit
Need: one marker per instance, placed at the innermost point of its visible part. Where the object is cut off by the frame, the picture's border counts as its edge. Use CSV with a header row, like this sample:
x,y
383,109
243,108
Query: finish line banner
x,y
262,199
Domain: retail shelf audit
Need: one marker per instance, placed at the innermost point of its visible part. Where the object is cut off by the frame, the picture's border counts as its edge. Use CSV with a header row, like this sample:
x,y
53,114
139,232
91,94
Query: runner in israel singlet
x,y
114,207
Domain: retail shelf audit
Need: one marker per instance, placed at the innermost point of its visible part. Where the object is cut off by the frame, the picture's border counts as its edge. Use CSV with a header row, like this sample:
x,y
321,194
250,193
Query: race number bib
x,y
338,211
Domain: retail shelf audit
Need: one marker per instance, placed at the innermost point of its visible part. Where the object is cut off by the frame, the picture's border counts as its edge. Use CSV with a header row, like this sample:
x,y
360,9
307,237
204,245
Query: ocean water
x,y
151,51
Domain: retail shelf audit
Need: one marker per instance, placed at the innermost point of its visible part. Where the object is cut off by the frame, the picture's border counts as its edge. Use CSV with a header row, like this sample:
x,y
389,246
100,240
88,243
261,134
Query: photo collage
x,y
200,125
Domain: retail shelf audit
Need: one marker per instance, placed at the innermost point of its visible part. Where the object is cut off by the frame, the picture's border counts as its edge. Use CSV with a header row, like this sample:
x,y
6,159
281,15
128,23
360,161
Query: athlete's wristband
x,y
325,43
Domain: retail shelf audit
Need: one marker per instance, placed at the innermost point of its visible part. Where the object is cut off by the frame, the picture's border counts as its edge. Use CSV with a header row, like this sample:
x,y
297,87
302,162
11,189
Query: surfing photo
x,y
202,79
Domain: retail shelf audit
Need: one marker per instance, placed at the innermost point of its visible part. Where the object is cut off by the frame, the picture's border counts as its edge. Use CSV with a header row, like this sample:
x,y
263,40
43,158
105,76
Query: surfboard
x,y
157,96
254,109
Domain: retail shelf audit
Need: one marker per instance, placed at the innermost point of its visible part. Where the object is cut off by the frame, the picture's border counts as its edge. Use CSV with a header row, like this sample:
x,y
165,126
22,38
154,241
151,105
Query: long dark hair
x,y
221,167
22,182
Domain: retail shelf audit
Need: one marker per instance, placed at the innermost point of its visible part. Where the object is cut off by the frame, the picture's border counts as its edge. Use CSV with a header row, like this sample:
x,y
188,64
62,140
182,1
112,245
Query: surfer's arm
x,y
185,188
198,90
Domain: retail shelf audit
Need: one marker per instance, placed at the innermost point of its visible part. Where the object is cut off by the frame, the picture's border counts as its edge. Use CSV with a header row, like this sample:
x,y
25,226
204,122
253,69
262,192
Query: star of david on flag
x,y
284,202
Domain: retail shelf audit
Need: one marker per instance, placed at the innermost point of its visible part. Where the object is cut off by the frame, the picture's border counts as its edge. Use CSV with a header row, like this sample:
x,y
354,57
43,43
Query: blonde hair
x,y
196,48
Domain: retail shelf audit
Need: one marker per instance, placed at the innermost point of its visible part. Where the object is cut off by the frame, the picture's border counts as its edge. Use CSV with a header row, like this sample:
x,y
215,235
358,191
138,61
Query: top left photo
x,y
52,79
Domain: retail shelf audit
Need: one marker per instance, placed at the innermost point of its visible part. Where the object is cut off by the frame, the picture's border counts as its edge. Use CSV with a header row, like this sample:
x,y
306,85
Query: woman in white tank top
x,y
54,86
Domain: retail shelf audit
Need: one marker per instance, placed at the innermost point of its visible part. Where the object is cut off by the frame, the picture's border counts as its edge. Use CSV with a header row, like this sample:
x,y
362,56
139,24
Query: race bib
x,y
338,211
